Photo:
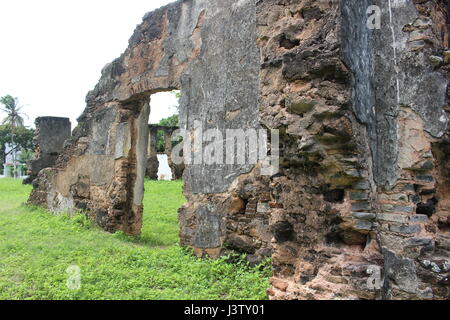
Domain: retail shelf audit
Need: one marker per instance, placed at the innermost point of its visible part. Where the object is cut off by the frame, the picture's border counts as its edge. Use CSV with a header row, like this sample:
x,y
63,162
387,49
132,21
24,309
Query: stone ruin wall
x,y
181,46
364,175
51,133
364,134
152,155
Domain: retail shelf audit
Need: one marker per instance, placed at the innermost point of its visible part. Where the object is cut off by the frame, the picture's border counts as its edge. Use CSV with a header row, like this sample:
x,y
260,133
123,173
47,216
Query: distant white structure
x,y
9,157
8,165
164,172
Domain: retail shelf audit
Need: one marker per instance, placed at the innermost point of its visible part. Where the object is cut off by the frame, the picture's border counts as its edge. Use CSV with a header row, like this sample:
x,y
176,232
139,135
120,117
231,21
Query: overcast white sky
x,y
52,52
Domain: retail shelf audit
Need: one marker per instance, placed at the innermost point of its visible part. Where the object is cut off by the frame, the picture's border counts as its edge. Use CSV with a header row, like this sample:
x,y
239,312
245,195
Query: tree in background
x,y
178,96
171,121
14,120
25,156
23,138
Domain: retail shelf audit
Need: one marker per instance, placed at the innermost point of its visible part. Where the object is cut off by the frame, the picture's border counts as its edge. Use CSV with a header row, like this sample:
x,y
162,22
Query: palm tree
x,y
13,119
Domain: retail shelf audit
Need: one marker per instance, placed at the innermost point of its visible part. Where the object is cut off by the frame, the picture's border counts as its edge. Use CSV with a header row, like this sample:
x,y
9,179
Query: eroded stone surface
x,y
359,167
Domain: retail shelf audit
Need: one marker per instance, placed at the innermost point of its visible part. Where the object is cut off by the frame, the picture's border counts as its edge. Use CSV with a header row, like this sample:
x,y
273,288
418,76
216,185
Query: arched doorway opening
x,y
163,185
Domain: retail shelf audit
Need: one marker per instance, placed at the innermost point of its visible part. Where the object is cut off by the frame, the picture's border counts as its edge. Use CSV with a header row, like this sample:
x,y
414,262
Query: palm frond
x,y
19,122
7,120
12,108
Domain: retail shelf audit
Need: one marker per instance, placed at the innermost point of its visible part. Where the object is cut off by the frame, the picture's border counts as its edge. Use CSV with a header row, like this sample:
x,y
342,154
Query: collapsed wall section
x,y
51,133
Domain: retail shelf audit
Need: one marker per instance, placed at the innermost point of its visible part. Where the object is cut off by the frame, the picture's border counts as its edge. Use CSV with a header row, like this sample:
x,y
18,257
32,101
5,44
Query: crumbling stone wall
x,y
181,46
360,207
51,133
358,210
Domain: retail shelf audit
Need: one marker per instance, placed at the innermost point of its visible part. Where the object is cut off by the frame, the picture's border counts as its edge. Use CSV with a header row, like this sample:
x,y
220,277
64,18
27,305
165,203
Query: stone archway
x,y
181,46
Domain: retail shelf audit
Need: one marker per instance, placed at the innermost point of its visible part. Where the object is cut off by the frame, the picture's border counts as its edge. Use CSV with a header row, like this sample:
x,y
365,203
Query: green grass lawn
x,y
36,249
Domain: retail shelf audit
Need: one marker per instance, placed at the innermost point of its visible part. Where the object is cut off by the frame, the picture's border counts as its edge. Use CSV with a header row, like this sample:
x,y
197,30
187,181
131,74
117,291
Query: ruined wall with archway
x,y
191,46
359,207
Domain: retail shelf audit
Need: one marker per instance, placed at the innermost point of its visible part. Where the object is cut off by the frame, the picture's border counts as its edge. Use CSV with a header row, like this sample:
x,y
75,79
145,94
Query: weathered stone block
x,y
406,229
397,208
394,197
359,196
393,217
301,106
419,242
361,185
425,178
361,206
208,228
418,218
364,225
364,215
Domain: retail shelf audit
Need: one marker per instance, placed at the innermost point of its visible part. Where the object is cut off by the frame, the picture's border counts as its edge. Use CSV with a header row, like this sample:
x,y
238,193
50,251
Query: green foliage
x,y
171,121
12,109
8,102
25,156
36,248
13,129
23,139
